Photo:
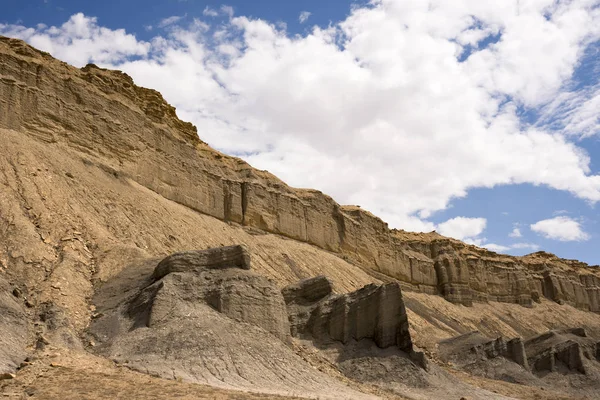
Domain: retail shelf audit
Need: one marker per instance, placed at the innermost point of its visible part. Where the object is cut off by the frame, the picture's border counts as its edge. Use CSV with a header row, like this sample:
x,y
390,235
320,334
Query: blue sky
x,y
478,120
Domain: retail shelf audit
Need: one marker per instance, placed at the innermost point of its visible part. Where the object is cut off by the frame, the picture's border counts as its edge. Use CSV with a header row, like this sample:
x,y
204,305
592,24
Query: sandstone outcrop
x,y
204,317
195,261
374,312
473,346
569,350
139,137
100,181
558,359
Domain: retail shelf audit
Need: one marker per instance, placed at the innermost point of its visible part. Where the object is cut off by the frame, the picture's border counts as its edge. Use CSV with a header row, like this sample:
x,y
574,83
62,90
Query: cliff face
x,y
138,136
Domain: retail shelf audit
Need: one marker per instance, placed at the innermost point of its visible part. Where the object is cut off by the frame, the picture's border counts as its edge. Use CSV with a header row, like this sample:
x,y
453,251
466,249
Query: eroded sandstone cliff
x,y
137,136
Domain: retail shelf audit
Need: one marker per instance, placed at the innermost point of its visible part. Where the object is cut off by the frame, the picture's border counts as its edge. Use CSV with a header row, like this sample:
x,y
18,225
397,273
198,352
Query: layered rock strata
x,y
562,351
136,135
374,312
205,317
473,347
194,261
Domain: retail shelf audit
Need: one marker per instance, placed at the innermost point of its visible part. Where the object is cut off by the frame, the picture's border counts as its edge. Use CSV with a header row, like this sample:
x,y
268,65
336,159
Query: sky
x,y
479,119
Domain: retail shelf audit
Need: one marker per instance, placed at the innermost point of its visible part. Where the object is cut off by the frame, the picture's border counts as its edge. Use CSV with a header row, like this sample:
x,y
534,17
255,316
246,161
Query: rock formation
x,y
374,312
103,113
473,346
195,261
568,350
100,181
548,359
204,316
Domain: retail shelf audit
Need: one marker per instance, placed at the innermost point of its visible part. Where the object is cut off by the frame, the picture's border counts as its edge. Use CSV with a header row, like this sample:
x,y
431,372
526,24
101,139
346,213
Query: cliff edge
x,y
138,136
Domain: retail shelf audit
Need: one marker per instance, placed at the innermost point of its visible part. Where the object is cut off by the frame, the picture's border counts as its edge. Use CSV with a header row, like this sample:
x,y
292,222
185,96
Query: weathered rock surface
x,y
195,261
308,291
98,176
13,328
139,137
473,346
207,320
563,351
374,312
565,360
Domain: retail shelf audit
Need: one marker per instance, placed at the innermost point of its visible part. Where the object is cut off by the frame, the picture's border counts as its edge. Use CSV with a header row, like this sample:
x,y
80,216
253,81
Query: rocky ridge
x,y
205,317
103,113
100,181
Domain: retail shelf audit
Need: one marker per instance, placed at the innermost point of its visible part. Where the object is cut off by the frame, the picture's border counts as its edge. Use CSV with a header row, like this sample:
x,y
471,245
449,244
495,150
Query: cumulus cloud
x,y
304,16
516,233
210,12
401,107
462,228
575,113
80,40
564,229
499,248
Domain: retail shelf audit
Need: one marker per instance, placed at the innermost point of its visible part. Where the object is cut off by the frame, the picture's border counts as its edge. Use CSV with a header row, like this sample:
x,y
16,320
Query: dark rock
x,y
203,322
515,351
308,290
216,258
581,332
565,348
473,347
376,312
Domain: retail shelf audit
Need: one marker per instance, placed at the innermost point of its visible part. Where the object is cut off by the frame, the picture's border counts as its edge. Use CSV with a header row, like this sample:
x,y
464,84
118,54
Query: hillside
x,y
100,181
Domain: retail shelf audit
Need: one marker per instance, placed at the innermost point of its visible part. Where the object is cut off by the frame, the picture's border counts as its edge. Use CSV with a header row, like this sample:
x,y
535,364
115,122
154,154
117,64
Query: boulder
x,y
375,312
473,347
308,290
216,258
561,351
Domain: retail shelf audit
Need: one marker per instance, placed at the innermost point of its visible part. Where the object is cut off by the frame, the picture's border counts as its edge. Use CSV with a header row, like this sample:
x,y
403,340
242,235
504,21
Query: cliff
x,y
135,135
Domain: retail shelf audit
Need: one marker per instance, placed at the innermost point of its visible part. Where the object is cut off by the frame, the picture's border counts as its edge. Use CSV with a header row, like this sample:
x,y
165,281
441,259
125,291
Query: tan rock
x,y
138,137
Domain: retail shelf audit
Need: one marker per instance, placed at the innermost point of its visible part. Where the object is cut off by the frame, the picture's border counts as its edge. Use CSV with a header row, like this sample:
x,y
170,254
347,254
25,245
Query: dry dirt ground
x,y
74,377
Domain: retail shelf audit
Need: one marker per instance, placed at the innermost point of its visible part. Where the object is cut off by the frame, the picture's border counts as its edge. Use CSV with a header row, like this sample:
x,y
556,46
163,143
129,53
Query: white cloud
x,y
227,10
304,16
499,248
530,246
462,228
516,233
170,21
564,229
376,110
80,40
210,12
575,113
496,247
